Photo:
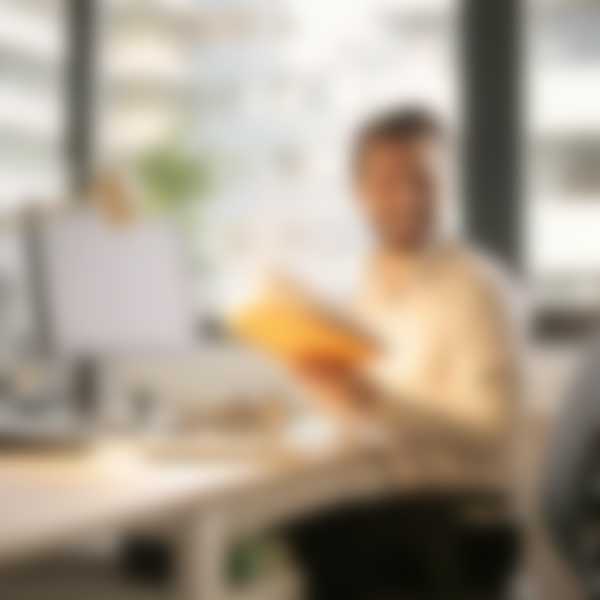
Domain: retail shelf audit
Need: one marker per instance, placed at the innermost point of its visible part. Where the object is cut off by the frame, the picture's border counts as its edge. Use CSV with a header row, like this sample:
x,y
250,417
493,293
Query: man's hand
x,y
339,388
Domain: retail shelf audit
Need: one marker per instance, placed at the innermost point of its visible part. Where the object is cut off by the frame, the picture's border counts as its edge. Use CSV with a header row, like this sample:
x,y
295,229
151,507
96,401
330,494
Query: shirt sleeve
x,y
480,384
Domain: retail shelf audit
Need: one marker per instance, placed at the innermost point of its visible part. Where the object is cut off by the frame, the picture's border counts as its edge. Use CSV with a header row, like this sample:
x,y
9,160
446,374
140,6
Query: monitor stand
x,y
86,389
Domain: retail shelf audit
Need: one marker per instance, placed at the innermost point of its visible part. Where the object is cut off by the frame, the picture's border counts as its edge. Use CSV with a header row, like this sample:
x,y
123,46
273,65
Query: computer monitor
x,y
111,289
77,292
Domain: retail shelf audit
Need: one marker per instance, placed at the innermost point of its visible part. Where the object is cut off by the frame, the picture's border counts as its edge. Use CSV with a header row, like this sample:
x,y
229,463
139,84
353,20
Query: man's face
x,y
398,186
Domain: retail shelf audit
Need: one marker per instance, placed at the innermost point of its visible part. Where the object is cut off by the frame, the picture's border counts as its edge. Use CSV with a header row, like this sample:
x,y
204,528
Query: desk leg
x,y
202,555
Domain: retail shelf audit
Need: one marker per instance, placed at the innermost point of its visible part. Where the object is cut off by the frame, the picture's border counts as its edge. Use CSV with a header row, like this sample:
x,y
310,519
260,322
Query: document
x,y
287,323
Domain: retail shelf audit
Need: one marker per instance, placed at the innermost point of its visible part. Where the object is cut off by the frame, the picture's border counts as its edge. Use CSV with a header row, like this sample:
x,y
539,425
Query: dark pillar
x,y
80,78
492,99
80,120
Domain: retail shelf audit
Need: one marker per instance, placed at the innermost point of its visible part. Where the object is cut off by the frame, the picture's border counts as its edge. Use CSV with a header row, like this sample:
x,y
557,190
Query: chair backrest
x,y
571,484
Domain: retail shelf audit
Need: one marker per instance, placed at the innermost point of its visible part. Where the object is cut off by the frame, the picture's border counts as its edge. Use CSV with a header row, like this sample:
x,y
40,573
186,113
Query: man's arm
x,y
480,391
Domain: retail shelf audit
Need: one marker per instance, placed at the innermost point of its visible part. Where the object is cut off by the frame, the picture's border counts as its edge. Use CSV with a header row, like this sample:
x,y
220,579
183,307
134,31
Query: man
x,y
445,386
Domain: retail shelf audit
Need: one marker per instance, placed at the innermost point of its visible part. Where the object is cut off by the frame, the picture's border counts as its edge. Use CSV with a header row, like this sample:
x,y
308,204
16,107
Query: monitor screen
x,y
114,289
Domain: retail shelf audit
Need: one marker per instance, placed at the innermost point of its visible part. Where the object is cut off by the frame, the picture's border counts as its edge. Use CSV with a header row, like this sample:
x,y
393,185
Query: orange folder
x,y
296,329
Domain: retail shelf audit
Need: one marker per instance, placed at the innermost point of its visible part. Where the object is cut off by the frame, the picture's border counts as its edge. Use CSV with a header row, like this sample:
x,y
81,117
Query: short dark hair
x,y
399,124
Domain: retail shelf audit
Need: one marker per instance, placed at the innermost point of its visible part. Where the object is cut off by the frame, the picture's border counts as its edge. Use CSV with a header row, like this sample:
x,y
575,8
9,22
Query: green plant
x,y
173,179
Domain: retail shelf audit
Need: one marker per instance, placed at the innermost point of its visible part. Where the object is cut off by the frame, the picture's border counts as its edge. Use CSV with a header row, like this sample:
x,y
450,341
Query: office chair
x,y
571,484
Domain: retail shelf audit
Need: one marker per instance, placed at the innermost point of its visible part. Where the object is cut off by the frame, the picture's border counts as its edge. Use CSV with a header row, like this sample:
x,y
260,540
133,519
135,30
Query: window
x,y
145,73
563,249
32,64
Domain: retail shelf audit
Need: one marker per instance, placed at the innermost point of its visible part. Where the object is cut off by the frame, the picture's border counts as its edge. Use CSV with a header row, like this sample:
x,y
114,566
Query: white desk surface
x,y
51,499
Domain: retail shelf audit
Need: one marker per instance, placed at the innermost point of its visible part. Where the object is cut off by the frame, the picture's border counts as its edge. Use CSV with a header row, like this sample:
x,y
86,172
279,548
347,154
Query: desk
x,y
49,501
